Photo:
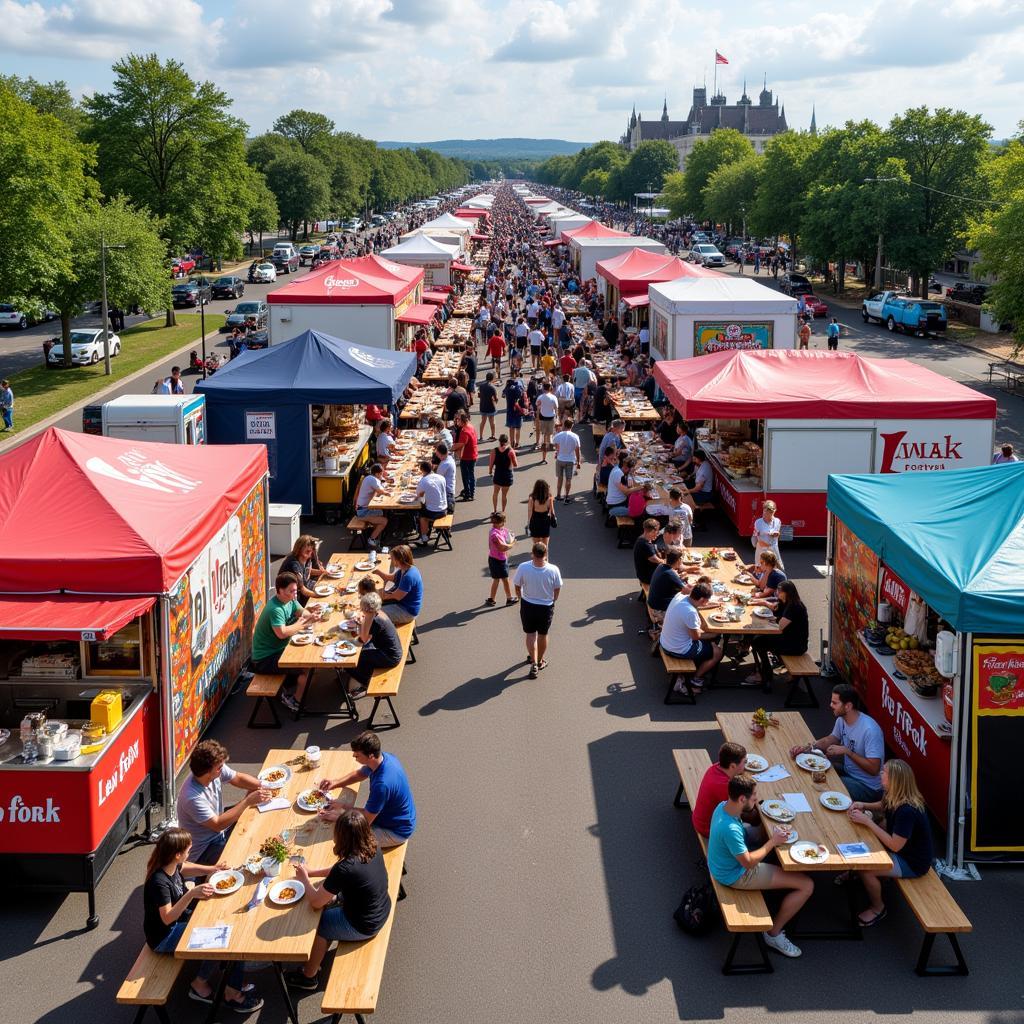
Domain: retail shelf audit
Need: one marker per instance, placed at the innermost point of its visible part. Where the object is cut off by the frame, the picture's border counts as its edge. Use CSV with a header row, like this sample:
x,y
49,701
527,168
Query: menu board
x,y
855,578
997,725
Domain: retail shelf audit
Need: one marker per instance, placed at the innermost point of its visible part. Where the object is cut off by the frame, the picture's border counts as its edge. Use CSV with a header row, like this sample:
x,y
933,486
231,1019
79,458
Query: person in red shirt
x,y
422,349
567,364
714,788
466,452
496,350
374,414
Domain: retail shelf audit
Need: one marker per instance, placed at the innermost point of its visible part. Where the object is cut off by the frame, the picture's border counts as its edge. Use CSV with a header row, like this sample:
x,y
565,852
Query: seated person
x,y
645,551
791,615
703,489
441,432
433,493
608,463
381,648
665,584
731,862
714,788
671,537
300,564
858,740
639,500
906,835
681,634
402,603
769,576
682,447
620,487
369,487
280,620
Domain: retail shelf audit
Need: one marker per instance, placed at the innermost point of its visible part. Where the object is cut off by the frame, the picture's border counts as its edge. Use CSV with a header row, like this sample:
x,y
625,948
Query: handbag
x,y
695,914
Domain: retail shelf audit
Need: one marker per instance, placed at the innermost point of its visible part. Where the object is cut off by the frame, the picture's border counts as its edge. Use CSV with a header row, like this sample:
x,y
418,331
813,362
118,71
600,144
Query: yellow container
x,y
107,710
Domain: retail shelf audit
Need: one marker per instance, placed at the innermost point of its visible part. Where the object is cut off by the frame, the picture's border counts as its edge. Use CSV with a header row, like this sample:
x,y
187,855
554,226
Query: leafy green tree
x,y
731,190
552,170
263,212
53,98
722,146
647,166
266,148
44,184
595,183
302,188
785,180
306,127
944,155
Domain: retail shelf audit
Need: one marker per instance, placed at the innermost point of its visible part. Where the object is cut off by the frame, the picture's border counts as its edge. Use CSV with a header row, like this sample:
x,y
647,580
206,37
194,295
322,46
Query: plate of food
x,y
351,588
756,763
312,800
719,617
276,776
323,590
809,853
345,648
364,566
254,864
834,800
693,558
302,639
334,571
813,762
764,613
226,882
408,499
745,579
791,835
778,810
287,891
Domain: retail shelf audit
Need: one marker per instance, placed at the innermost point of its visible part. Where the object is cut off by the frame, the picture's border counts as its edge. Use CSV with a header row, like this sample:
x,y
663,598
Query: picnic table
x,y
443,364
403,471
456,331
425,402
654,465
270,933
633,406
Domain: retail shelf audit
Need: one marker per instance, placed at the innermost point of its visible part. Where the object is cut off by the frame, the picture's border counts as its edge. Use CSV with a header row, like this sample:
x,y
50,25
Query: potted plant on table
x,y
274,851
760,722
711,559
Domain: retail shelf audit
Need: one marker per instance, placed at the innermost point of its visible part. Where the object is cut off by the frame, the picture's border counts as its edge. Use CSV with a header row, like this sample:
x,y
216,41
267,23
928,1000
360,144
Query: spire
x,y
664,111
744,100
632,119
765,97
814,121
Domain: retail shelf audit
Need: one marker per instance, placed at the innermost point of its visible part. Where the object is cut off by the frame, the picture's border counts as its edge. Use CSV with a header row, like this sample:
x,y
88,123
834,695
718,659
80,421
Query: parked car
x,y
815,306
308,252
182,266
86,347
904,313
264,273
258,339
965,292
700,238
795,284
228,288
12,317
352,224
247,314
191,293
707,255
286,258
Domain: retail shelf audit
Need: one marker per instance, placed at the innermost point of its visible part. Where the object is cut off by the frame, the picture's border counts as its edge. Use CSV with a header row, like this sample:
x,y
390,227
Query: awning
x,y
67,616
435,298
632,301
554,241
462,268
422,313
477,237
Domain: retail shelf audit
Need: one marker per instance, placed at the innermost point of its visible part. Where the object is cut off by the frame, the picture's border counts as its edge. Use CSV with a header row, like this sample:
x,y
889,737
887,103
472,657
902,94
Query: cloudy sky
x,y
418,70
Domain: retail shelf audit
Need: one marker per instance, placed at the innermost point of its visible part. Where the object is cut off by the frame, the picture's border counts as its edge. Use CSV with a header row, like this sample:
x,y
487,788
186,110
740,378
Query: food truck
x,y
120,637
777,423
175,419
925,621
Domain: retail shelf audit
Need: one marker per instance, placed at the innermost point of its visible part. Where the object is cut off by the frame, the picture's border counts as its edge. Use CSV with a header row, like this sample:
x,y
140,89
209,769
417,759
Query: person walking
x,y
805,335
568,458
503,462
832,331
499,543
538,584
7,404
540,511
466,451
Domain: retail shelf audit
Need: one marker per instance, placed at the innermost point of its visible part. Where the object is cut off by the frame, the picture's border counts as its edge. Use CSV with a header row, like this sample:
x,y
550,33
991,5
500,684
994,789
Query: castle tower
x,y
814,122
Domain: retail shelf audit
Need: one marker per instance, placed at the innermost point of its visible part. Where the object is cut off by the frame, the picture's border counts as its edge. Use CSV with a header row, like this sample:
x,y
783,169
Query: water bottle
x,y
27,728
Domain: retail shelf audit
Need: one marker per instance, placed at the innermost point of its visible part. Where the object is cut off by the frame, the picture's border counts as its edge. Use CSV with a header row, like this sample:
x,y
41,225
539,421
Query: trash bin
x,y
284,527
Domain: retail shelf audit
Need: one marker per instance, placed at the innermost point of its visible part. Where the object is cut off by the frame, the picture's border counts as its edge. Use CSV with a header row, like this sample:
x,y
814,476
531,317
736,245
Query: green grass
x,y
40,393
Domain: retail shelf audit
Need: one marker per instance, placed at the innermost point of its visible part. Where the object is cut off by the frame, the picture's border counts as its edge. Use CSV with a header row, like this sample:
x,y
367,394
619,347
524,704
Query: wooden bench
x,y
678,668
353,984
744,911
938,914
597,431
360,530
443,529
625,527
149,983
802,668
385,682
264,688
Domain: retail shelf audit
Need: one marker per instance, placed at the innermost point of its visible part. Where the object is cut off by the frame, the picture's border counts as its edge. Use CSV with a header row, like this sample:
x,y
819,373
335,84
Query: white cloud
x,y
555,32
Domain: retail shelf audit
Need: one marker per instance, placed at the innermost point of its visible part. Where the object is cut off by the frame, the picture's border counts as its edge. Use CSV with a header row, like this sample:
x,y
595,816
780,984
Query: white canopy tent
x,y
431,256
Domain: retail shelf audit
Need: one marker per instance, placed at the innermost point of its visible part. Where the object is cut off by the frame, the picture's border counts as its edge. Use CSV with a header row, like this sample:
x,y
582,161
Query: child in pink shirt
x,y
499,540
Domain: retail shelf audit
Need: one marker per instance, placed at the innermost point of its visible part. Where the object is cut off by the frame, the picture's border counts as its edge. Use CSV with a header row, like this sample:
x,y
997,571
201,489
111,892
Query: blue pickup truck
x,y
905,313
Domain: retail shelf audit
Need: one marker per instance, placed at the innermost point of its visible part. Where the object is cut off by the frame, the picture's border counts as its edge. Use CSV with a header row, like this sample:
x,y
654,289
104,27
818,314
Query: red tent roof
x,y
367,280
421,313
67,616
438,298
101,515
787,383
595,229
471,213
633,271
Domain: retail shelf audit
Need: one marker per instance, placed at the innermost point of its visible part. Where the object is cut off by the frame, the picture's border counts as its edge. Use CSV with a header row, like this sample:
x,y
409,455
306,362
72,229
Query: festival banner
x,y
730,336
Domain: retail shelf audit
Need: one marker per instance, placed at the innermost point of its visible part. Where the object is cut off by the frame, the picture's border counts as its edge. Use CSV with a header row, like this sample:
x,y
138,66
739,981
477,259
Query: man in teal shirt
x,y
279,621
732,864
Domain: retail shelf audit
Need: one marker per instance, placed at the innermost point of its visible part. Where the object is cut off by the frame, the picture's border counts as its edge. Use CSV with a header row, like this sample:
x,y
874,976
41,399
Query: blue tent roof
x,y
955,537
313,368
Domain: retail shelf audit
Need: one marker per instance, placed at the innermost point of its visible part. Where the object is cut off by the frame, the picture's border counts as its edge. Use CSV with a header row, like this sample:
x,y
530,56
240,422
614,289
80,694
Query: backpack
x,y
695,915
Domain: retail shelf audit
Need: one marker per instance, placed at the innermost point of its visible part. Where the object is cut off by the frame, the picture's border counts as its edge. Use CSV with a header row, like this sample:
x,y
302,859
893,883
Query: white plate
x,y
764,613
345,648
305,803
778,810
840,801
299,890
809,853
813,762
408,499
719,617
364,566
792,838
235,877
279,783
323,590
756,763
302,639
744,579
351,588
335,571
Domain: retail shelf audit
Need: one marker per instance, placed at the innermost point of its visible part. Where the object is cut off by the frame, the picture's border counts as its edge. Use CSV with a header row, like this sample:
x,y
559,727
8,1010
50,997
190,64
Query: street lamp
x,y
104,314
202,328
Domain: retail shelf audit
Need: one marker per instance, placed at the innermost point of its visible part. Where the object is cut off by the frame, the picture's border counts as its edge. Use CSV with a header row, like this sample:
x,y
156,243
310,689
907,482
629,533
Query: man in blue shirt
x,y
832,331
403,601
389,808
732,864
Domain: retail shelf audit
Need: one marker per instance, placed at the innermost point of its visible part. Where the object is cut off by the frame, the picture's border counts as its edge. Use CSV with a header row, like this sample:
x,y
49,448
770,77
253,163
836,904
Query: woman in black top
x,y
300,562
359,881
791,615
540,508
907,835
167,906
382,647
503,462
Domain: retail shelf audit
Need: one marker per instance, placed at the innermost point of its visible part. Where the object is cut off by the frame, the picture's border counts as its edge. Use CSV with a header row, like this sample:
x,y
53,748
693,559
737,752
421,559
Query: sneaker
x,y
249,1003
511,600
781,944
297,979
490,602
568,500
193,994
289,701
542,664
371,544
357,691
697,683
752,680
534,671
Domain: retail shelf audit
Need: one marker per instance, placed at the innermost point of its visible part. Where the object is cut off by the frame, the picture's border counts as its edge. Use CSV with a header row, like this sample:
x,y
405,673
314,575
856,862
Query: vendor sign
x,y
725,336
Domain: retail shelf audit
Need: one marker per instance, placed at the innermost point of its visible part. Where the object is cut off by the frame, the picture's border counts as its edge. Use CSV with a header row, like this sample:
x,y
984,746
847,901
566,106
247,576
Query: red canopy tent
x,y
366,280
100,515
471,213
633,271
422,314
435,296
795,384
595,229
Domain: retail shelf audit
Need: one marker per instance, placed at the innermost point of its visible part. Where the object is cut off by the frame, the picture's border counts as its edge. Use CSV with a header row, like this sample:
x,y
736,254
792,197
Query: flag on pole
x,y
719,59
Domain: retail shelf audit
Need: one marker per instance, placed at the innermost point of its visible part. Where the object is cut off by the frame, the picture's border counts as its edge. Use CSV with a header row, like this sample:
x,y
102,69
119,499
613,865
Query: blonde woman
x,y
766,532
907,835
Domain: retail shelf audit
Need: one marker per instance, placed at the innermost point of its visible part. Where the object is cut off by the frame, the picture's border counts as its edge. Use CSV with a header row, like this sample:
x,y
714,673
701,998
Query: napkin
x,y
772,774
216,937
850,851
277,803
331,653
797,801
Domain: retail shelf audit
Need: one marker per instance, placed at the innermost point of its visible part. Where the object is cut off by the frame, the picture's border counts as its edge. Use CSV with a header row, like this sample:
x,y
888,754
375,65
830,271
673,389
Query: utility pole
x,y
878,264
104,313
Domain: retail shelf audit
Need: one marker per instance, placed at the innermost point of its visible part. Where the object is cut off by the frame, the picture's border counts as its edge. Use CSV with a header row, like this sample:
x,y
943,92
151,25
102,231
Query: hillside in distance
x,y
495,149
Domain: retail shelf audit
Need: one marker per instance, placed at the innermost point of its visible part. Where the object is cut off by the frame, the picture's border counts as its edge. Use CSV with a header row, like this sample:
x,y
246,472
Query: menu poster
x,y
999,677
855,577
894,590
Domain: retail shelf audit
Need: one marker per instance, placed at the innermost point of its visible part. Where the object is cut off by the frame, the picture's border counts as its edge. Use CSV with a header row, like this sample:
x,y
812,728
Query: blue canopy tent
x,y
265,396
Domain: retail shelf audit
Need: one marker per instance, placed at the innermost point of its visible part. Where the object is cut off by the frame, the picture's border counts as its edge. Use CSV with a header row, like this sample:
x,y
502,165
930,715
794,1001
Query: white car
x,y
10,316
86,347
264,272
707,255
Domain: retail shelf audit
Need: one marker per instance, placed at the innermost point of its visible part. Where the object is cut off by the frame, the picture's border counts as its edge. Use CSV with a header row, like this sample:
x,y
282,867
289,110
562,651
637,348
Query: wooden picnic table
x,y
654,462
268,932
403,472
443,364
820,825
425,402
633,406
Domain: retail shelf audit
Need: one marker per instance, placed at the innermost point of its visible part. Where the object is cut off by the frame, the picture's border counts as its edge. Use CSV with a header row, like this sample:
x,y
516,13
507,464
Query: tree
x,y
944,155
646,168
265,149
722,146
302,189
731,190
999,237
785,180
44,185
595,183
263,212
309,129
53,98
